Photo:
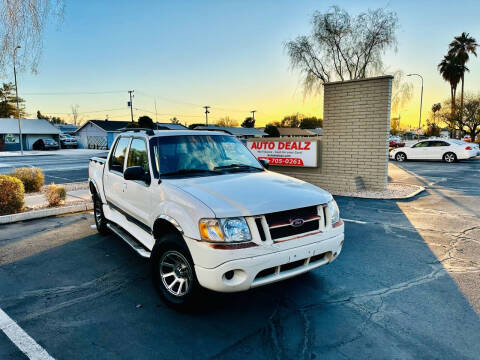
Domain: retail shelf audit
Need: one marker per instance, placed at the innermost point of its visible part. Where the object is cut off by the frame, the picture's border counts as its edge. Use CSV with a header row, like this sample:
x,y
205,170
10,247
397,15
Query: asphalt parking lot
x,y
407,285
57,167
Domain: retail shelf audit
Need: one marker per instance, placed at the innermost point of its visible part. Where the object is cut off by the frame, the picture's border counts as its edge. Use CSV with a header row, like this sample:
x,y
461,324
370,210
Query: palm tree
x,y
460,47
451,72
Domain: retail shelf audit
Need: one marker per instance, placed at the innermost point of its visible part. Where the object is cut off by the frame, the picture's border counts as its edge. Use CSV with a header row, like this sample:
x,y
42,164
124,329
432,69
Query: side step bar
x,y
129,239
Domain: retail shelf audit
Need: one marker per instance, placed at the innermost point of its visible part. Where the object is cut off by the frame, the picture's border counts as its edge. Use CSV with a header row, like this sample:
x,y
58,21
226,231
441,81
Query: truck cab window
x,y
137,156
117,159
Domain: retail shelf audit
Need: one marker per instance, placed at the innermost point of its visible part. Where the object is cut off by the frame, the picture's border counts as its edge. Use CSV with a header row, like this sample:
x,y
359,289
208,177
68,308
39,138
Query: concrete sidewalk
x,y
38,200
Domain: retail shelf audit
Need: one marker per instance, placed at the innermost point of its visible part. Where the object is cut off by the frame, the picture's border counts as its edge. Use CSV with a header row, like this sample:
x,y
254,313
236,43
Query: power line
x,y
76,93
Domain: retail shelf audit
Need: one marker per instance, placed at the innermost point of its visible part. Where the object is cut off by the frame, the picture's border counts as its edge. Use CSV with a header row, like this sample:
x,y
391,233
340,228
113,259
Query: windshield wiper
x,y
236,166
188,171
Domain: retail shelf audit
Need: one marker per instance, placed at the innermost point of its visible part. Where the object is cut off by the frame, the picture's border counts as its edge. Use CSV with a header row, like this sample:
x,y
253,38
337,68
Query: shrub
x,y
55,194
32,178
11,195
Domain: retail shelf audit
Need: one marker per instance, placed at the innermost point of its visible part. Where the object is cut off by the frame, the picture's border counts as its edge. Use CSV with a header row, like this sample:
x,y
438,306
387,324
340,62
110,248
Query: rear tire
x,y
400,157
100,220
173,272
450,157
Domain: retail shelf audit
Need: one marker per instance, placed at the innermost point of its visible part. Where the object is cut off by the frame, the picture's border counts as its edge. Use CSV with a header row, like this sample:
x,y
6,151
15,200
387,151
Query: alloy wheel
x,y
176,273
449,158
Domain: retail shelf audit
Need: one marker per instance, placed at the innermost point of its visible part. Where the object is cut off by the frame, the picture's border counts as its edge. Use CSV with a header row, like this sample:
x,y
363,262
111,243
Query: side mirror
x,y
136,173
264,163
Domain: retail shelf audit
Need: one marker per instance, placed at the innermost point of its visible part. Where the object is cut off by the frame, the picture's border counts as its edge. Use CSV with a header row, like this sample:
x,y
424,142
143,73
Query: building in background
x,y
169,126
66,128
295,132
99,134
32,130
239,132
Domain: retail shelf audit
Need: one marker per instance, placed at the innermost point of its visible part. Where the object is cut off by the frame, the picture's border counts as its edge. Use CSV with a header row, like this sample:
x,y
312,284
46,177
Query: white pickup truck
x,y
208,214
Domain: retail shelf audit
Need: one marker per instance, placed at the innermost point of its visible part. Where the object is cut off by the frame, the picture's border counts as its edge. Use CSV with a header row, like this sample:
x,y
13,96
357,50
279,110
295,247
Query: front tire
x,y
173,272
400,157
100,220
450,157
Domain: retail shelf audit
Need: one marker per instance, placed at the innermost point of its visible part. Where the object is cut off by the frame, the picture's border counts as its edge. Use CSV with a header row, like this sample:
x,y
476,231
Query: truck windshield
x,y
201,155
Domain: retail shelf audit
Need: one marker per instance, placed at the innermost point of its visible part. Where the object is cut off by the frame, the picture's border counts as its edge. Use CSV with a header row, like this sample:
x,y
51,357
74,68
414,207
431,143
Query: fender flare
x,y
171,220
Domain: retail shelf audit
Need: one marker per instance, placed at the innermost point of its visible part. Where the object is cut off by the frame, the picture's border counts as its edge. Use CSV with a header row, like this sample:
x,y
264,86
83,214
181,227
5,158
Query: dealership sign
x,y
286,153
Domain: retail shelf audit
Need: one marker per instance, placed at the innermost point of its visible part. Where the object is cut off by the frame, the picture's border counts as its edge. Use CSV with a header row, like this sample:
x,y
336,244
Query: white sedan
x,y
448,150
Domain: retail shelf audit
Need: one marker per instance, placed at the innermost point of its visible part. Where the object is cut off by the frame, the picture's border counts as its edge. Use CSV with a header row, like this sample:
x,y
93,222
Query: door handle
x,y
124,187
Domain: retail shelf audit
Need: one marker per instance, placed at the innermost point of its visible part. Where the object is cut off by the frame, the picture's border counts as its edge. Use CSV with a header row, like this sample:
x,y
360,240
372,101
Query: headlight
x,y
227,230
334,212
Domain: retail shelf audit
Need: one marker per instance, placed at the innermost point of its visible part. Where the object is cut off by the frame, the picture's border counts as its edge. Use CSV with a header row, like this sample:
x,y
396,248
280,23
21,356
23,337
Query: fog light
x,y
229,275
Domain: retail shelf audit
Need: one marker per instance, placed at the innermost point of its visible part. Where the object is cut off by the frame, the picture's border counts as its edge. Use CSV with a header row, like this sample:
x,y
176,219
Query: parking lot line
x,y
354,221
21,339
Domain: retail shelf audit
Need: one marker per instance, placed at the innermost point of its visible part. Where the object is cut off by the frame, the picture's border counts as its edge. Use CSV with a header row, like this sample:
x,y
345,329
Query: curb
x,y
37,214
412,194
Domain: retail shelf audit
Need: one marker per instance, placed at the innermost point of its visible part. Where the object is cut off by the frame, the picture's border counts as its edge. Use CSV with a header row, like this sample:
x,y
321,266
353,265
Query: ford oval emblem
x,y
297,222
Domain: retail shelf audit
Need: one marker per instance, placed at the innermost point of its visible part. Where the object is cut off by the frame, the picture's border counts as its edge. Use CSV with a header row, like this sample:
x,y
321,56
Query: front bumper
x,y
265,269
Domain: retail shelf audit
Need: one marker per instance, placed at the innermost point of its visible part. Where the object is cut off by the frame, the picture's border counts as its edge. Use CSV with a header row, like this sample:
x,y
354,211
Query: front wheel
x,y
450,157
174,272
400,157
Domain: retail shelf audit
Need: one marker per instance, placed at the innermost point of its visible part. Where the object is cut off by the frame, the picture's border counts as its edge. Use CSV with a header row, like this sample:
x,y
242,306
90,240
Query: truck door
x,y
138,194
113,181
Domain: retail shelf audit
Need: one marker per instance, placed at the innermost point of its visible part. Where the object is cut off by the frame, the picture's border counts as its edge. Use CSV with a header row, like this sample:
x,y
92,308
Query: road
x,y
406,285
57,168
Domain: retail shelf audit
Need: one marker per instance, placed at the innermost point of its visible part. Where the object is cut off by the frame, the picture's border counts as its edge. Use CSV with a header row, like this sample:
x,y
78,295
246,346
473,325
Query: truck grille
x,y
288,223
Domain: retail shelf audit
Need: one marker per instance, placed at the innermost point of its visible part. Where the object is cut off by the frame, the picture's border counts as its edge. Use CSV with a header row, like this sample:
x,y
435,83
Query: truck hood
x,y
248,194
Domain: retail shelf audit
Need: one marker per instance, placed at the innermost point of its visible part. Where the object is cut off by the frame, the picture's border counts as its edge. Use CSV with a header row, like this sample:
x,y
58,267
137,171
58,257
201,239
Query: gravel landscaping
x,y
393,191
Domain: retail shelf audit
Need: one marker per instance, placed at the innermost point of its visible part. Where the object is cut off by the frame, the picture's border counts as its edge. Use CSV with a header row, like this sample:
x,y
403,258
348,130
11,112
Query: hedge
x,y
11,195
32,178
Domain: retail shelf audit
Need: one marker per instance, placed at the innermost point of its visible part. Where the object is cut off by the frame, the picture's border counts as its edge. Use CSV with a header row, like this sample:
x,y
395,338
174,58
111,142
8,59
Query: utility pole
x,y
130,103
206,114
16,94
253,115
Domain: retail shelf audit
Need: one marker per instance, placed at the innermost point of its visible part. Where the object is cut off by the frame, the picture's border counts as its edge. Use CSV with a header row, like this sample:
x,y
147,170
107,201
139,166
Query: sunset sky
x,y
226,54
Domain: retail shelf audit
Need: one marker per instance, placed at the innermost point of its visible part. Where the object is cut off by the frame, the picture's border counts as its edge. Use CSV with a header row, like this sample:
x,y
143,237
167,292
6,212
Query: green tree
x,y
249,122
461,47
8,102
311,123
341,46
51,119
450,70
271,130
290,121
145,122
174,120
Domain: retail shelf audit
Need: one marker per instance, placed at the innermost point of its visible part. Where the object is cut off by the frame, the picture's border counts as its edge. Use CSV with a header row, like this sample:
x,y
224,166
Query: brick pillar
x,y
356,125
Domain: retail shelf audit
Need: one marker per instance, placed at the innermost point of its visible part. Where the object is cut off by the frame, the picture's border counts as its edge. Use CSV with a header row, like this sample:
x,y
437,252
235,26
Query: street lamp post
x,y
421,100
16,95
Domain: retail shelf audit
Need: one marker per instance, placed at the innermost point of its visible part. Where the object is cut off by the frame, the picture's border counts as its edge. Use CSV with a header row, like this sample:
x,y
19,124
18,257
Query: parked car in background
x,y
448,150
467,139
45,144
68,141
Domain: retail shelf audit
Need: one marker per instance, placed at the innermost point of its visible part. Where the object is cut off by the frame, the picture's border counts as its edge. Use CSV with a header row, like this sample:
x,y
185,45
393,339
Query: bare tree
x,y
401,92
75,113
22,23
342,47
226,122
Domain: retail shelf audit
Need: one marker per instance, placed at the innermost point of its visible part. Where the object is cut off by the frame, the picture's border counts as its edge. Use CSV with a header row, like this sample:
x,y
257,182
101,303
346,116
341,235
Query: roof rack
x,y
147,131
